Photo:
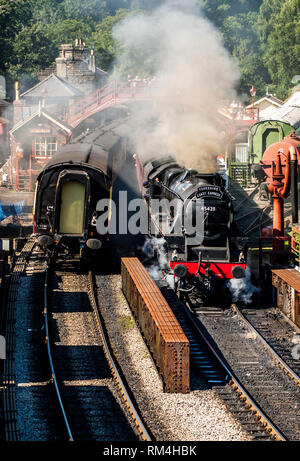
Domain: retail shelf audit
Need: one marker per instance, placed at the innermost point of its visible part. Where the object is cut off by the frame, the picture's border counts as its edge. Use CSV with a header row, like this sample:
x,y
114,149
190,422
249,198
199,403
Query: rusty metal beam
x,y
164,336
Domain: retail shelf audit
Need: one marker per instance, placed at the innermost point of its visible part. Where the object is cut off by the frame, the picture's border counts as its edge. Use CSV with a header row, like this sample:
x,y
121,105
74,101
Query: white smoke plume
x,y
194,74
242,289
154,248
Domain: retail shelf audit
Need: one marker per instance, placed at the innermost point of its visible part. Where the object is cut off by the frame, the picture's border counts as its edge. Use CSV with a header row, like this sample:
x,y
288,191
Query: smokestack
x,y
17,91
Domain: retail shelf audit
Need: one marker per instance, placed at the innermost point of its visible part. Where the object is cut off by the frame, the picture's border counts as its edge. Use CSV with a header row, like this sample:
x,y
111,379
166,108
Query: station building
x,y
40,114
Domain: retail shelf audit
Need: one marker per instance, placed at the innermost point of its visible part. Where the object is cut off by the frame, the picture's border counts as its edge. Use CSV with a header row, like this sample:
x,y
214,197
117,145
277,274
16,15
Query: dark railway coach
x,y
66,196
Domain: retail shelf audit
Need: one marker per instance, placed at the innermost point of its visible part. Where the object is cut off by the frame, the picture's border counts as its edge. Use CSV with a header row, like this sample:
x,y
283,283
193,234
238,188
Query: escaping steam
x,y
242,289
193,75
155,248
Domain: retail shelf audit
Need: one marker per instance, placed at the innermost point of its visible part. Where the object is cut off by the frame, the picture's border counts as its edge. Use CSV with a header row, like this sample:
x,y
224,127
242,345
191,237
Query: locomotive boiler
x,y
201,256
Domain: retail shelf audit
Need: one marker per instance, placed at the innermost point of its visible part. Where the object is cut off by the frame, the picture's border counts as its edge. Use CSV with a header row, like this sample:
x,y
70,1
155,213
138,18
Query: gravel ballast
x,y
197,416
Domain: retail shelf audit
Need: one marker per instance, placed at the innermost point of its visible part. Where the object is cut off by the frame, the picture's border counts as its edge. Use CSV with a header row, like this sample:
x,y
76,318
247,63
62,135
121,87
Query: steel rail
x,y
54,377
283,364
119,381
8,373
237,386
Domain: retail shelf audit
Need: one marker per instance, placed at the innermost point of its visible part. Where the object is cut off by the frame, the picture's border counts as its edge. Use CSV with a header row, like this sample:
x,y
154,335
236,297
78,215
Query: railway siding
x,y
256,369
277,334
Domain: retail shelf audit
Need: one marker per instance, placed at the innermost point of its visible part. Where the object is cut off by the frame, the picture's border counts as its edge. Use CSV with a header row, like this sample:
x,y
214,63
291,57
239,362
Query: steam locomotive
x,y
205,254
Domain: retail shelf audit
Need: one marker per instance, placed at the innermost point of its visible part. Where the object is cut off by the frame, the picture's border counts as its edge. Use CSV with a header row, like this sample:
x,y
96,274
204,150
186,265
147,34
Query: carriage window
x,y
45,146
241,152
72,208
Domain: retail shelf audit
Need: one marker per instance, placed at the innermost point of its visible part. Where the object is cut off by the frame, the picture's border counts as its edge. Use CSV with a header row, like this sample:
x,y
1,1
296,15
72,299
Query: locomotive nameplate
x,y
209,192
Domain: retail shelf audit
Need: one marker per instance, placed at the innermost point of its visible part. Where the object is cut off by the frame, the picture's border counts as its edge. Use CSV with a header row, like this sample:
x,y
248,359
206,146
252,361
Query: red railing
x,y
111,94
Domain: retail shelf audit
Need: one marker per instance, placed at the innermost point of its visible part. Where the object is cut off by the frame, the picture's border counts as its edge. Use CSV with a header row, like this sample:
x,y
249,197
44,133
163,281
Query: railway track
x,y
209,363
255,373
94,408
25,261
82,373
276,334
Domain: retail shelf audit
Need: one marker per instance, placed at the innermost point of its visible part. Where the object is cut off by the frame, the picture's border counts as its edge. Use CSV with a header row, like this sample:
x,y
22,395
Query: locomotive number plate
x,y
208,208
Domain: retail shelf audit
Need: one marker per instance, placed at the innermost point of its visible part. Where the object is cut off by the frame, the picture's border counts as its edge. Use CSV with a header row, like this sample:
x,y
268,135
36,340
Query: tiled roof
x,y
42,113
52,86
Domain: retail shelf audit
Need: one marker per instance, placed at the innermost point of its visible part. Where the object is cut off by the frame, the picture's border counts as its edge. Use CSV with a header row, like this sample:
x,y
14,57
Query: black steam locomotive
x,y
199,256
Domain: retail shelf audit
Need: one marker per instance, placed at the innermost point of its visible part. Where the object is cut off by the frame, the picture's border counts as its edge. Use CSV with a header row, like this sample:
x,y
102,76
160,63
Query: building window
x,y
45,146
241,153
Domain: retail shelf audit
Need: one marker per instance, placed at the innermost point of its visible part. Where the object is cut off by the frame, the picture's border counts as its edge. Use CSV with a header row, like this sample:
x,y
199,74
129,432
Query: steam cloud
x,y
154,247
194,74
242,289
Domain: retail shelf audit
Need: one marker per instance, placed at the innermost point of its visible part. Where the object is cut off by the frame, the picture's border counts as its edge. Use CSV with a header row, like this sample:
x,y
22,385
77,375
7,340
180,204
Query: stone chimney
x,y
66,53
80,49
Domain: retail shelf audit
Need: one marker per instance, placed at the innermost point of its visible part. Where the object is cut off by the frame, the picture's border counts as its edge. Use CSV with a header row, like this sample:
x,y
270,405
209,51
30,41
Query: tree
x,y
92,11
31,52
12,17
218,10
242,41
282,43
67,31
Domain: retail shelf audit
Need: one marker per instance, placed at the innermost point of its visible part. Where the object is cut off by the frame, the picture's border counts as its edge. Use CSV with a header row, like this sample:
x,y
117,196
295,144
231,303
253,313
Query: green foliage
x,y
104,44
281,44
241,39
66,31
218,10
12,17
262,35
92,11
145,4
30,52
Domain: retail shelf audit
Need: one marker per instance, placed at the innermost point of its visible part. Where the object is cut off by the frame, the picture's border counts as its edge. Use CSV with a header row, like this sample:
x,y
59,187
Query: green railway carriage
x,y
264,133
